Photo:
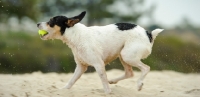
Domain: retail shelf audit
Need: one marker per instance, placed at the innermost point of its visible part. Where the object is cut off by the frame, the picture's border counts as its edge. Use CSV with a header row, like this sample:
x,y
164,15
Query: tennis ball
x,y
42,32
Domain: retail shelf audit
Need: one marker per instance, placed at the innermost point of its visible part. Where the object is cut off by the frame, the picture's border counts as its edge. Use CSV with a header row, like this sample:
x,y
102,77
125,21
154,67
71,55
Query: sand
x,y
156,84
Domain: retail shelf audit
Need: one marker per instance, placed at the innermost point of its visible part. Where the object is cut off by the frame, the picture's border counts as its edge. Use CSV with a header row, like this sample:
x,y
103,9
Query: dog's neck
x,y
72,35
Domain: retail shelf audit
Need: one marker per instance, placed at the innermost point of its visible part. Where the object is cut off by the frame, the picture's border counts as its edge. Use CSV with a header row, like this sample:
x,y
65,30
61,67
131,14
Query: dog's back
x,y
111,39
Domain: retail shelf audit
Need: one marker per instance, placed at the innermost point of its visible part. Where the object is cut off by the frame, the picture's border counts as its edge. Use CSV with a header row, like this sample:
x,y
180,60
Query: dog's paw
x,y
140,86
108,91
112,82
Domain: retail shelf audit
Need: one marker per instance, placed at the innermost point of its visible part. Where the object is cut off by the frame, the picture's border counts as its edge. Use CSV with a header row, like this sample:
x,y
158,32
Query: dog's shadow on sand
x,y
117,91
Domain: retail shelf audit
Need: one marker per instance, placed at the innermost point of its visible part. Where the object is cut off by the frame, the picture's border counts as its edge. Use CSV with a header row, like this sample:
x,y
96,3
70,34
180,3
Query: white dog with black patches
x,y
98,45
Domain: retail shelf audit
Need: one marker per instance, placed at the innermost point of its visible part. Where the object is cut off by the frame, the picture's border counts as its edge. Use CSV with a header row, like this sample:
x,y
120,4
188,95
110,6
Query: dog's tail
x,y
156,32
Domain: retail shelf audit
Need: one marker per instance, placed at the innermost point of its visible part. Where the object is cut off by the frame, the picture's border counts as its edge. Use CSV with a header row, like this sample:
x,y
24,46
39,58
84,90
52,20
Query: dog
x,y
98,45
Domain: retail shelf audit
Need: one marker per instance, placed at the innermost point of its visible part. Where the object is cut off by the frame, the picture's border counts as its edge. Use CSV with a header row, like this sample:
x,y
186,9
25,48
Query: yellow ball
x,y
42,32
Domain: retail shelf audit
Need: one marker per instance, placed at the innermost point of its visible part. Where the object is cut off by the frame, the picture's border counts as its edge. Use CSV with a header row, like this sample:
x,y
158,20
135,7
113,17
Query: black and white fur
x,y
98,45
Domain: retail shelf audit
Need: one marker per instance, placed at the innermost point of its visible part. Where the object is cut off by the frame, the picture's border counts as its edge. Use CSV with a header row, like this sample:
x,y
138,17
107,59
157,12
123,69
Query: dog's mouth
x,y
44,37
44,34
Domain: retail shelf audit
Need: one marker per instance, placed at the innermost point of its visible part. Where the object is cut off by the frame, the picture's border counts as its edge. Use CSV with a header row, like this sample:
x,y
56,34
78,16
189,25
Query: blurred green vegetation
x,y
21,52
98,11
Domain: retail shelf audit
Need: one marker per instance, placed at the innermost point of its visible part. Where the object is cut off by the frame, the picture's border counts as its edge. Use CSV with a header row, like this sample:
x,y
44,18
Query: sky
x,y
171,12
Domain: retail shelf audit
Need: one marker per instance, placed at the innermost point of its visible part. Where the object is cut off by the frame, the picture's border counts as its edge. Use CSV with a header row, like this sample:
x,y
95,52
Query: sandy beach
x,y
156,84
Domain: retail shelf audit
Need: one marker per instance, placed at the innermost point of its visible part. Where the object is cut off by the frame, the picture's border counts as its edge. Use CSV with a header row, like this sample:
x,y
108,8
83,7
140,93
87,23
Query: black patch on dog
x,y
59,21
149,36
125,26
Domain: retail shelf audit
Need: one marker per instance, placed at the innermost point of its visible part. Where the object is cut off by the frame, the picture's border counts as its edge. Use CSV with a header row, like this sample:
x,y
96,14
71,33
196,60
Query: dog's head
x,y
57,25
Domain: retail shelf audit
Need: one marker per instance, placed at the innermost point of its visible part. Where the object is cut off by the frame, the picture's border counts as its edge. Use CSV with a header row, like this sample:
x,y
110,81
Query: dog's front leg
x,y
80,69
100,68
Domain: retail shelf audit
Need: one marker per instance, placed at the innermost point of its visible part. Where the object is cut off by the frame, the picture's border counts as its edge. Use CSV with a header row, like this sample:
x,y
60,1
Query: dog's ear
x,y
72,21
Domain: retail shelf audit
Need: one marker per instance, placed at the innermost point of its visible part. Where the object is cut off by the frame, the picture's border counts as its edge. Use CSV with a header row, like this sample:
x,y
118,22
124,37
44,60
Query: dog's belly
x,y
111,45
111,52
110,58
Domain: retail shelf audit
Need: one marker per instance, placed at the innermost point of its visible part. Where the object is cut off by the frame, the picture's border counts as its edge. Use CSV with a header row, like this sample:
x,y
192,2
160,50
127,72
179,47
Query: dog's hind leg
x,y
80,69
128,72
132,55
145,69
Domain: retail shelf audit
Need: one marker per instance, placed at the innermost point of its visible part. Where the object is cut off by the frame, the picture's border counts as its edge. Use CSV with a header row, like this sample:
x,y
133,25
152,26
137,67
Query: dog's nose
x,y
38,24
